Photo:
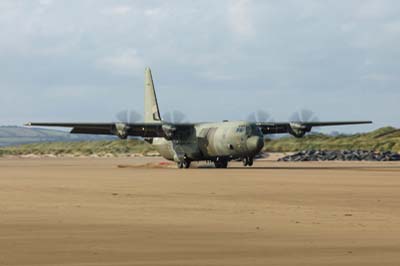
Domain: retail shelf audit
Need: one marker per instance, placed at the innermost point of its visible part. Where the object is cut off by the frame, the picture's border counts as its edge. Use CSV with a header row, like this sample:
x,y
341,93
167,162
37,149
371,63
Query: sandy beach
x,y
143,211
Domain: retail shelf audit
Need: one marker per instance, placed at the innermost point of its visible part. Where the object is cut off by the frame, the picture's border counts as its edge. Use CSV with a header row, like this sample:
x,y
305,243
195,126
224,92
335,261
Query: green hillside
x,y
114,147
383,139
14,135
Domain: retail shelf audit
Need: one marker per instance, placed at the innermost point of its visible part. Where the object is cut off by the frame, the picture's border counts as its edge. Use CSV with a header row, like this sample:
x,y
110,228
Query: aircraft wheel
x,y
221,164
186,164
250,162
180,165
224,164
247,161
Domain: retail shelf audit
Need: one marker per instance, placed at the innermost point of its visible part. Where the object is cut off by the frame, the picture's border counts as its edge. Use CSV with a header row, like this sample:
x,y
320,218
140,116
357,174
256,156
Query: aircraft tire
x,y
247,161
250,162
186,164
221,164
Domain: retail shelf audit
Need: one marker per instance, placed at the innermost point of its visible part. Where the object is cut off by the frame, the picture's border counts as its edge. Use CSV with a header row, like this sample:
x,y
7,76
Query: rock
x,y
344,155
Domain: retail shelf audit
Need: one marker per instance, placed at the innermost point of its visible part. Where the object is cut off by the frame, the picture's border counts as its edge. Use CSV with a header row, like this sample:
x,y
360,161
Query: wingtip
x,y
28,124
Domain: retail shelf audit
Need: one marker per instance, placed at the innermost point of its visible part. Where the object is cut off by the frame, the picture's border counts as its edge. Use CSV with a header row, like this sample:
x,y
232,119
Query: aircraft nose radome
x,y
255,144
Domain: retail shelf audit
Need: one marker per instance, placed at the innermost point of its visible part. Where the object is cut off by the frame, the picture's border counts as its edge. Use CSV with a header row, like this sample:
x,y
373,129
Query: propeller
x,y
304,115
128,116
125,117
259,116
174,117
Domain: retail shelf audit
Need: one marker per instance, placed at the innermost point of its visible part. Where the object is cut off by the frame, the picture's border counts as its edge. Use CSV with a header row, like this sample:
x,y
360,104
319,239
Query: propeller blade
x,y
263,116
134,117
128,116
295,117
179,117
259,116
167,117
252,118
122,116
174,116
306,115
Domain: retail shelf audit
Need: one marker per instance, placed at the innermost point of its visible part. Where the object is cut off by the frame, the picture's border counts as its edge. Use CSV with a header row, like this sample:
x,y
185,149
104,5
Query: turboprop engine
x,y
177,132
121,130
169,131
298,130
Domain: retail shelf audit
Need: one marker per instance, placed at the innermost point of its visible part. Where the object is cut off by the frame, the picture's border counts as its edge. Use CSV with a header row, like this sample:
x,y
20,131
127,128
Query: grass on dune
x,y
114,147
383,139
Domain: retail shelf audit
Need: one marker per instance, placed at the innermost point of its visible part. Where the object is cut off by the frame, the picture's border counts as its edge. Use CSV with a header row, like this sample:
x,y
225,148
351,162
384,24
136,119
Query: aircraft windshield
x,y
241,129
248,130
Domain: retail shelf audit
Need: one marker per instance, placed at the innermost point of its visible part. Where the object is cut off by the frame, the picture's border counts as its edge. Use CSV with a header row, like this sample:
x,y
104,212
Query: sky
x,y
84,60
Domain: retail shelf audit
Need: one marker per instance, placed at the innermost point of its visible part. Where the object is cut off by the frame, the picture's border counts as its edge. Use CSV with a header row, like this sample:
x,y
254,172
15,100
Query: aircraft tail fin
x,y
151,111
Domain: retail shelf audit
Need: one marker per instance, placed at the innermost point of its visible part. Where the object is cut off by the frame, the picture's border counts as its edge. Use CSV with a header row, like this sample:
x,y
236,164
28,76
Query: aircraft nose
x,y
255,143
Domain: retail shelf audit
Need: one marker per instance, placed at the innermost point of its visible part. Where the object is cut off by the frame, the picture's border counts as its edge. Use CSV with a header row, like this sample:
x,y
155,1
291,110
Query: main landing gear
x,y
248,161
221,164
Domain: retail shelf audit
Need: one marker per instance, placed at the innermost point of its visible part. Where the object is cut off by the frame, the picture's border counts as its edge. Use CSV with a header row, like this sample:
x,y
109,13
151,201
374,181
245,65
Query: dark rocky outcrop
x,y
344,155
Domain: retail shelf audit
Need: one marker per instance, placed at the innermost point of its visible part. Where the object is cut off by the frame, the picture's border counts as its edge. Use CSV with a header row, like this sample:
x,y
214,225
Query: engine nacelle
x,y
121,130
169,131
298,130
177,132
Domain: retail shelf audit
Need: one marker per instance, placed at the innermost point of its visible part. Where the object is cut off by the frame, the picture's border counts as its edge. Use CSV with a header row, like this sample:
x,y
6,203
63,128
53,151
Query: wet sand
x,y
136,211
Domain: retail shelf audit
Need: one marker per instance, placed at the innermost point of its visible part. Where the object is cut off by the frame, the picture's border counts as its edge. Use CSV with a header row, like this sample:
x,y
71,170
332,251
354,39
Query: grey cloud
x,y
275,55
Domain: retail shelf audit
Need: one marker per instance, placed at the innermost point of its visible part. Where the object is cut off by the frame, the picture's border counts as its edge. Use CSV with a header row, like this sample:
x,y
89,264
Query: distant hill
x,y
81,148
383,139
15,135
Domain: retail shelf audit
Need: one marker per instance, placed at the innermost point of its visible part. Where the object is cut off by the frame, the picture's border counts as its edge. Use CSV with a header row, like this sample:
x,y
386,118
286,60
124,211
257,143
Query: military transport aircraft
x,y
183,143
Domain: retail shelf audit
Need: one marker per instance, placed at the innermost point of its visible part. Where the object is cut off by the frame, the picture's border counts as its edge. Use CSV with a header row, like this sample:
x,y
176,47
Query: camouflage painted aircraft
x,y
183,143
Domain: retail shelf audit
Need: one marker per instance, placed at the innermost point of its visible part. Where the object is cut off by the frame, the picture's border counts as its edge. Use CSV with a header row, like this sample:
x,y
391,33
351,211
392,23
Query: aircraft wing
x,y
298,129
122,130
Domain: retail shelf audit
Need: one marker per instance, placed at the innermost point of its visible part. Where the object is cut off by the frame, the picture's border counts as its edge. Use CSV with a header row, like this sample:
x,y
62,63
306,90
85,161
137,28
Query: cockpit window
x,y
241,129
248,130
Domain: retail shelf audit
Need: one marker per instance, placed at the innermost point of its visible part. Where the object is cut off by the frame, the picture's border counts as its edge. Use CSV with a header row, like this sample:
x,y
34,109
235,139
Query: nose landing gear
x,y
183,164
221,162
248,161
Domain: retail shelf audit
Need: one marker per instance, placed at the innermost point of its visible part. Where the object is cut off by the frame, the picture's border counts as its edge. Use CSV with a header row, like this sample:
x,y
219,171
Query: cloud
x,y
306,51
117,10
240,18
215,76
392,27
380,77
46,2
372,9
152,12
124,63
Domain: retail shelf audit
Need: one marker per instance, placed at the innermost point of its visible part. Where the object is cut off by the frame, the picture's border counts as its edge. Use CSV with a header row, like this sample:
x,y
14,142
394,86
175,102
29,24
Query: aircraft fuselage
x,y
213,141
